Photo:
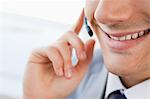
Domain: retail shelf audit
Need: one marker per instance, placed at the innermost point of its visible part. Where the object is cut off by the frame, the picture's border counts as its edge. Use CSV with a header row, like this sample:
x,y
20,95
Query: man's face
x,y
121,27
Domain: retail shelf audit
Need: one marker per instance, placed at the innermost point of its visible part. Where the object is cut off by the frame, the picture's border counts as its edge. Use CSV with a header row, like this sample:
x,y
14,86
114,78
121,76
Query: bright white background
x,y
65,11
28,24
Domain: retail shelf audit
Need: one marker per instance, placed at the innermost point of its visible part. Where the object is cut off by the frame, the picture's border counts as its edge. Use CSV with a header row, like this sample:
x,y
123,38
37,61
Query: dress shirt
x,y
139,91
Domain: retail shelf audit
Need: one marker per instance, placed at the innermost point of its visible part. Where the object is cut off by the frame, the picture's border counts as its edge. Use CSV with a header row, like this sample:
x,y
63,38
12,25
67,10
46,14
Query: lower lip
x,y
123,45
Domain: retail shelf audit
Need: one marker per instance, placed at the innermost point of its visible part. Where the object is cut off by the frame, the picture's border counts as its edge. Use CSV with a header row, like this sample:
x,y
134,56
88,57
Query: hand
x,y
50,74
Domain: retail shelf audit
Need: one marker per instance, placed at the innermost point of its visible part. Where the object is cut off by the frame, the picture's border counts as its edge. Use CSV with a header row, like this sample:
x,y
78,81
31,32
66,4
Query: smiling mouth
x,y
128,36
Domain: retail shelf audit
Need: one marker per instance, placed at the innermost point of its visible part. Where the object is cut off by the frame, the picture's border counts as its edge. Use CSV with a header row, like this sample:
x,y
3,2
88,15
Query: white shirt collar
x,y
139,91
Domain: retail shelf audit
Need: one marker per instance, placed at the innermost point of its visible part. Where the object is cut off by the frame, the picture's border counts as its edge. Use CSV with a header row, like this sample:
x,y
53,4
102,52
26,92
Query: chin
x,y
120,64
115,68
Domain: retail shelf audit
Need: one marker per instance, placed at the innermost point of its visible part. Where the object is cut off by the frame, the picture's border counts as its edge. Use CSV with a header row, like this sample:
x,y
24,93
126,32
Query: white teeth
x,y
141,33
128,37
135,35
122,38
115,38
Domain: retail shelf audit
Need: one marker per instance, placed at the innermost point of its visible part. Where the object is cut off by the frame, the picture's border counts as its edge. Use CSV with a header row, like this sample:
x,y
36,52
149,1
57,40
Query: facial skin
x,y
128,59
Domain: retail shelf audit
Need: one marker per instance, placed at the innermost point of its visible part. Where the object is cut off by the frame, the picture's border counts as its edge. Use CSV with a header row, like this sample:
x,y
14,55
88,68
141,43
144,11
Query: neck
x,y
129,81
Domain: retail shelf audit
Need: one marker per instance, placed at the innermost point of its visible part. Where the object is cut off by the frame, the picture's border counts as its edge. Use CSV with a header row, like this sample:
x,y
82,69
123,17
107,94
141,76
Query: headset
x,y
90,32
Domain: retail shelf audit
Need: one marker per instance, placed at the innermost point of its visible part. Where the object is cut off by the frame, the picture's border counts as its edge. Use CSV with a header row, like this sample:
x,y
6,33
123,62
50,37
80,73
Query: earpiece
x,y
90,32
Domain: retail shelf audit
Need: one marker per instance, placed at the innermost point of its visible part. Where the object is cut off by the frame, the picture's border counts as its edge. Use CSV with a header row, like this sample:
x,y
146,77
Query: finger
x,y
77,43
57,60
66,53
83,65
78,25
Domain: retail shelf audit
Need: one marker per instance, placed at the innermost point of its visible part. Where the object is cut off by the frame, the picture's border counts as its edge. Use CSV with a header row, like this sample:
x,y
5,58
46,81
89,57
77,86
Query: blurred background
x,y
29,24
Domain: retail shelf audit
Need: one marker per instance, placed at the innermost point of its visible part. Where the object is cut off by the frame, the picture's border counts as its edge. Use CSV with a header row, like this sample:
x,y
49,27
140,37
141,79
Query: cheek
x,y
100,36
141,6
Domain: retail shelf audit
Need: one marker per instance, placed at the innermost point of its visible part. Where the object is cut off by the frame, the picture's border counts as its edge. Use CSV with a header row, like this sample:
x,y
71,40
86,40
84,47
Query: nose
x,y
113,11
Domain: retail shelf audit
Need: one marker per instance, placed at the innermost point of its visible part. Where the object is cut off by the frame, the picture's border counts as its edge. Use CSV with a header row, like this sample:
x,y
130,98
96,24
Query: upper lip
x,y
120,34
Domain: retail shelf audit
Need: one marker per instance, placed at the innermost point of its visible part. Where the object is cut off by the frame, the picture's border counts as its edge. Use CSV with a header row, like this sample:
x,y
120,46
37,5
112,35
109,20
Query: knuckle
x,y
79,46
64,47
76,41
79,42
62,43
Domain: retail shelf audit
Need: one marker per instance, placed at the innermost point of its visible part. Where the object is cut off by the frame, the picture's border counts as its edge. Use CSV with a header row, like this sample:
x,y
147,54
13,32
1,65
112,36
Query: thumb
x,y
89,48
82,66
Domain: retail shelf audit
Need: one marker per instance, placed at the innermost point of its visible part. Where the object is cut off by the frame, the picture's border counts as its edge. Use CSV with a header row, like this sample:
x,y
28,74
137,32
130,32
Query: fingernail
x,y
83,55
69,73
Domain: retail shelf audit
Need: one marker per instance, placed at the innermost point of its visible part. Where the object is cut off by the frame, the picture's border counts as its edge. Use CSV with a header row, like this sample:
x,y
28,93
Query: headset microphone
x,y
90,32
